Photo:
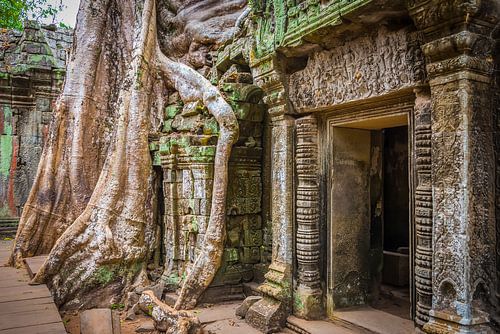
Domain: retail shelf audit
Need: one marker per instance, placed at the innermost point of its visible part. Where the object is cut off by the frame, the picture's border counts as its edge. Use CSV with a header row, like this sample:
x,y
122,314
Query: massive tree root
x,y
168,319
79,136
193,86
107,246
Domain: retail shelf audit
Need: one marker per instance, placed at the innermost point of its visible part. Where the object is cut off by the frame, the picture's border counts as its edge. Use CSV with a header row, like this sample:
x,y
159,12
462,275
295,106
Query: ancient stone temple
x,y
382,159
365,179
32,70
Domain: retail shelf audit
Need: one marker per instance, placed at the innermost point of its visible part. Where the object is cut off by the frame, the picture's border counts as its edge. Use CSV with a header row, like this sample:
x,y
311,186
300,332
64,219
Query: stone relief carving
x,y
464,230
368,66
439,11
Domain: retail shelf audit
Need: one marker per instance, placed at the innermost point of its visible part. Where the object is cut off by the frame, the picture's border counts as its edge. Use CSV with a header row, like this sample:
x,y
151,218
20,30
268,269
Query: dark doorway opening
x,y
394,290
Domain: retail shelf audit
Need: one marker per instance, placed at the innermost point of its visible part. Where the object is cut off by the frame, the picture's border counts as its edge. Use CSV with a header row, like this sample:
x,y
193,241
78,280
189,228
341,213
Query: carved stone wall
x,y
379,63
459,58
496,113
185,150
270,313
31,74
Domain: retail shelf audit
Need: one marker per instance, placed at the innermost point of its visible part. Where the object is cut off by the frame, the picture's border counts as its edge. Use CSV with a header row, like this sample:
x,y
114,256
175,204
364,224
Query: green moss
x,y
194,226
167,126
172,110
156,159
167,146
119,307
173,279
6,150
36,60
298,303
104,275
6,143
211,127
150,310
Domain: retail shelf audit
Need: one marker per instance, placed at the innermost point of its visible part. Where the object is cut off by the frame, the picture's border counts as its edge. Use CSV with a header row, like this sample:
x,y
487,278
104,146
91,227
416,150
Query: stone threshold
x,y
300,326
372,321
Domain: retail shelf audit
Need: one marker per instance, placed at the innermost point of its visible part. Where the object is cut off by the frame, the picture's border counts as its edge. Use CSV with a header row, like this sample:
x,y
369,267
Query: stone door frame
x,y
400,105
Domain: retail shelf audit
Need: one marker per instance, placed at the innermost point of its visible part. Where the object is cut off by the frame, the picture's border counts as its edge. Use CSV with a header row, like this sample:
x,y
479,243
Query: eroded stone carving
x,y
369,66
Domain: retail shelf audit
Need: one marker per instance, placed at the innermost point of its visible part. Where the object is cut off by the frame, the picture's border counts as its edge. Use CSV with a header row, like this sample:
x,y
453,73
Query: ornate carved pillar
x,y
458,51
270,313
423,206
308,301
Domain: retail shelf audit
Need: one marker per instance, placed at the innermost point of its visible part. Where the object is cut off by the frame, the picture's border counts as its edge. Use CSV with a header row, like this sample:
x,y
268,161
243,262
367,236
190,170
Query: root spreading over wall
x,y
92,202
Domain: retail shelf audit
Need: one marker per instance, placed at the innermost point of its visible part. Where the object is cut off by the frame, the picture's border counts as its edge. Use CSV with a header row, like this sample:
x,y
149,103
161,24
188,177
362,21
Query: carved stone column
x,y
423,206
308,302
458,51
270,313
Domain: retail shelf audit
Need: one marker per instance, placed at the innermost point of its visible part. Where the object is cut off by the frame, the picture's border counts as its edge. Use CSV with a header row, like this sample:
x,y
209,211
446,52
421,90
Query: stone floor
x,y
220,319
24,307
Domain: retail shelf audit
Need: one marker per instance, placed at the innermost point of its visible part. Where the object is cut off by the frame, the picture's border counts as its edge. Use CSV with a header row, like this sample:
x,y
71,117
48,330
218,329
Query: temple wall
x,y
433,63
31,75
185,150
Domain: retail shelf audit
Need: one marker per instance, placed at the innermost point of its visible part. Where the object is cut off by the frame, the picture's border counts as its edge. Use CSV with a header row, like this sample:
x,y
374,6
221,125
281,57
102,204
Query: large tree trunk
x,y
80,131
107,246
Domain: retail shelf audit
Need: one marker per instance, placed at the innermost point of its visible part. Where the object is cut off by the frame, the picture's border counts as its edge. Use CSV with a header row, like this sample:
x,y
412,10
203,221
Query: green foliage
x,y
119,307
14,12
11,13
104,275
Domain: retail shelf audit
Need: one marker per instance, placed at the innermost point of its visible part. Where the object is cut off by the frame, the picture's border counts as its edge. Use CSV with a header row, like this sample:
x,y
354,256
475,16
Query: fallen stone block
x,y
146,327
242,310
98,321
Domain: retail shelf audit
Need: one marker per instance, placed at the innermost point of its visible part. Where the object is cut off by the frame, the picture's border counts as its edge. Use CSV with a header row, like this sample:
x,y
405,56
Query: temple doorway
x,y
369,220
394,294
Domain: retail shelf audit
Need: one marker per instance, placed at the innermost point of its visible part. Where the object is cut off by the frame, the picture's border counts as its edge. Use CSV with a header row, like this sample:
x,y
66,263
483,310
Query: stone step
x,y
8,227
100,321
301,326
170,298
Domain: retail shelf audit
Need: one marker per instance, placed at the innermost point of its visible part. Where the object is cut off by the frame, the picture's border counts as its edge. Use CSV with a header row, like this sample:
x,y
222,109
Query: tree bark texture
x,y
96,219
80,131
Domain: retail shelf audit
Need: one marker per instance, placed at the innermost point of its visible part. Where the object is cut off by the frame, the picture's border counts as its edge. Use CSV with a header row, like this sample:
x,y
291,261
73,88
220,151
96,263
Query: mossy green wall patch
x,y
5,155
6,139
